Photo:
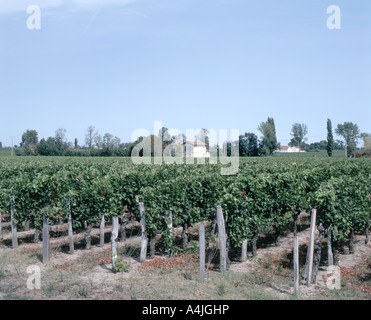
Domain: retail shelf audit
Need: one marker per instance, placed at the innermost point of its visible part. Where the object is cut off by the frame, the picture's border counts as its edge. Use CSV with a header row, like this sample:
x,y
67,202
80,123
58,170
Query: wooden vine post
x,y
317,252
1,227
330,256
46,237
222,238
124,222
296,257
170,224
114,235
70,230
37,236
211,242
185,236
202,251
351,241
254,241
143,248
244,250
88,227
170,227
101,231
13,224
311,247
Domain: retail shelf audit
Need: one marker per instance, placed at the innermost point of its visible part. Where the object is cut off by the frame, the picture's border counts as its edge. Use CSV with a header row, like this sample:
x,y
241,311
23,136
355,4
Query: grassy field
x,y
5,152
312,154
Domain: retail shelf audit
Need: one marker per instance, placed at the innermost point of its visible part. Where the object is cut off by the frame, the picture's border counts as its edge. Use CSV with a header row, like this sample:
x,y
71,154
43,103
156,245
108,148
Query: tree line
x,y
249,144
95,145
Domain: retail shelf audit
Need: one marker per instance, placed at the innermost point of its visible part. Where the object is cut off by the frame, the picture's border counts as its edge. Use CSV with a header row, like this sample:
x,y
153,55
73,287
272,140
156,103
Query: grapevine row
x,y
263,196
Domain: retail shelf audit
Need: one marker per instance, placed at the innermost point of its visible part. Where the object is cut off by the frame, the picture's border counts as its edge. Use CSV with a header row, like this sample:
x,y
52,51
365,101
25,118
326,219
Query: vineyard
x,y
265,197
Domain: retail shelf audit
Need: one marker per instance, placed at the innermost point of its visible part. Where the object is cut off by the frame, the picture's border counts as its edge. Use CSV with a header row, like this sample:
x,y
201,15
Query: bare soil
x,y
87,274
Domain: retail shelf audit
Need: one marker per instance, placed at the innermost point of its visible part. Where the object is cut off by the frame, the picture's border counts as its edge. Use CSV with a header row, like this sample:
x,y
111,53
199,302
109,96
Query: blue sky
x,y
221,64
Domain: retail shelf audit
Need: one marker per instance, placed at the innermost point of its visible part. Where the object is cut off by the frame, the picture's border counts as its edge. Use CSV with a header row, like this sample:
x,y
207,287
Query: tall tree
x,y
330,138
203,136
49,147
179,138
60,140
269,141
110,143
107,139
351,133
146,146
60,135
115,143
29,137
248,145
29,142
98,141
366,143
298,132
165,136
90,136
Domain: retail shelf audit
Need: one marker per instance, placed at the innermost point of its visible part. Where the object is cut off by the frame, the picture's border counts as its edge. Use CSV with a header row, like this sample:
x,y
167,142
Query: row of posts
x,y
202,246
46,233
312,259
223,248
144,241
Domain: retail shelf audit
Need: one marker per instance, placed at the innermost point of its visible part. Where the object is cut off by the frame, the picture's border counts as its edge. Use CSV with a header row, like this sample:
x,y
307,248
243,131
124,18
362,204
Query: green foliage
x,y
29,137
351,133
83,291
248,145
193,247
345,203
298,132
269,142
121,266
263,195
366,144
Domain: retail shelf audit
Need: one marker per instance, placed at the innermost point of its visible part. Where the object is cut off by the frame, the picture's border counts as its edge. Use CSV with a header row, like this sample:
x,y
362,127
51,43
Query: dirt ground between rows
x,y
87,274
348,263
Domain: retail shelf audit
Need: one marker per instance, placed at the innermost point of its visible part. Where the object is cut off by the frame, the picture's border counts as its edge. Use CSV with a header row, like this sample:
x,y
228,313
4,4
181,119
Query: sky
x,y
121,65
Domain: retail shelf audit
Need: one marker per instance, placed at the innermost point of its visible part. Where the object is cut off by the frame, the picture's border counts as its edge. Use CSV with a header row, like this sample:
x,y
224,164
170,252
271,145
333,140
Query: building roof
x,y
195,143
286,147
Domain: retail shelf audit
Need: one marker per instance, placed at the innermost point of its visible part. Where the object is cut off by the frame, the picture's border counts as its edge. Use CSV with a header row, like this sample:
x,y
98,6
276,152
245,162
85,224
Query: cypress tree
x,y
269,141
330,138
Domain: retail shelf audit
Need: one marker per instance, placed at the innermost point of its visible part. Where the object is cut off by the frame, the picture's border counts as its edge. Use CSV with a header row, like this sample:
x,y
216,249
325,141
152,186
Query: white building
x,y
191,149
287,149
